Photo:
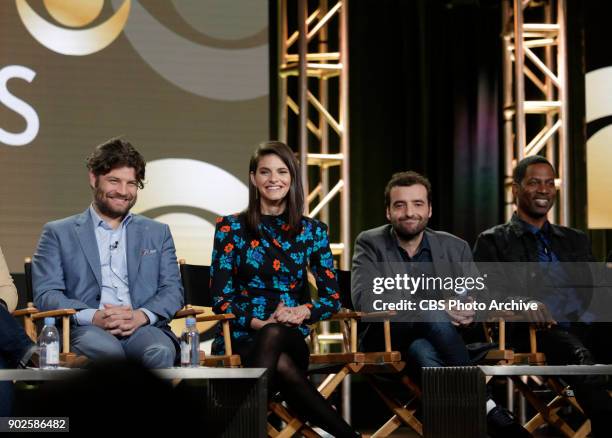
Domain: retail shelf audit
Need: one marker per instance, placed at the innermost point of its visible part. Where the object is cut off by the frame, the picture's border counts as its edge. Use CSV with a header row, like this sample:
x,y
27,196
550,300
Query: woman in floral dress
x,y
258,273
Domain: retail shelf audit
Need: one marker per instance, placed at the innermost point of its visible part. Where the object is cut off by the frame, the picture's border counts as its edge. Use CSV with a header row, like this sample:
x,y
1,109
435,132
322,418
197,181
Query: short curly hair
x,y
115,153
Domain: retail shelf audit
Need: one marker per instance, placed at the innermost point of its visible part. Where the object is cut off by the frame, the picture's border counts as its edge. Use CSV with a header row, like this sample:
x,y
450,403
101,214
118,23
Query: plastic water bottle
x,y
190,345
49,345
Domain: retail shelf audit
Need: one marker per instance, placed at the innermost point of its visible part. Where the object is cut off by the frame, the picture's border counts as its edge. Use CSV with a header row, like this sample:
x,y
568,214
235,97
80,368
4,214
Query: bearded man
x,y
430,338
117,269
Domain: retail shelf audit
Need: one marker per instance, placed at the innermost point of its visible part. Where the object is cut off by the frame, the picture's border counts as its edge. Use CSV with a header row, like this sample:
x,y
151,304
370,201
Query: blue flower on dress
x,y
239,241
280,283
327,260
288,300
259,312
298,257
225,262
259,301
255,257
257,283
229,288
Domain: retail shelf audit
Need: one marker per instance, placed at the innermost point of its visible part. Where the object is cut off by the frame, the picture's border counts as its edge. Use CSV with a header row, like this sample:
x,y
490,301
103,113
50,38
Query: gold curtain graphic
x,y
185,82
599,149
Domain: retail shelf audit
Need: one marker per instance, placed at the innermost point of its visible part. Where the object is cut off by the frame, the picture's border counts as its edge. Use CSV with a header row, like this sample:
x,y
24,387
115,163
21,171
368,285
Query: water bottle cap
x,y
190,322
49,321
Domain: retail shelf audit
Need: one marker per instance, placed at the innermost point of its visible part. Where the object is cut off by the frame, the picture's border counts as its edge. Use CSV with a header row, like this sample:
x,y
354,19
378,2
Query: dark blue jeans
x,y
427,343
14,343
6,393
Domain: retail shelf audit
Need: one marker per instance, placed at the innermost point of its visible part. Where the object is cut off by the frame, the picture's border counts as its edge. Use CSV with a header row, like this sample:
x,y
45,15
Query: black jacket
x,y
510,242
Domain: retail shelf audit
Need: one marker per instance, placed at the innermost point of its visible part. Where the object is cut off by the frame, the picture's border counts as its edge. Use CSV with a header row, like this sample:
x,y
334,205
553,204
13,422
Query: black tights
x,y
283,352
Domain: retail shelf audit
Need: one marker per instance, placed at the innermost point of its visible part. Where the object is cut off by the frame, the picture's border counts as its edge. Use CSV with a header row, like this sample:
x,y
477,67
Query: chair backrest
x,y
27,269
344,283
196,284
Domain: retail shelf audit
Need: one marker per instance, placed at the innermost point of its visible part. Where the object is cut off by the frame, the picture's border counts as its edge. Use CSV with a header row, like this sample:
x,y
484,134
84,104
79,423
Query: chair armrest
x,y
381,314
221,317
504,315
346,315
54,313
26,311
187,311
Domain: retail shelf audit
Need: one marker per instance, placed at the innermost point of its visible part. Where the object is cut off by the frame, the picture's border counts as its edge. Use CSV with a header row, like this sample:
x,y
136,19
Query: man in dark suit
x,y
16,348
117,269
426,337
558,256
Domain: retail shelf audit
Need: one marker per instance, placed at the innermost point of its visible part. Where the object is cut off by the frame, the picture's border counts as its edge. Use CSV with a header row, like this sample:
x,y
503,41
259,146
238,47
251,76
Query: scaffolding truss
x,y
318,108
313,95
535,92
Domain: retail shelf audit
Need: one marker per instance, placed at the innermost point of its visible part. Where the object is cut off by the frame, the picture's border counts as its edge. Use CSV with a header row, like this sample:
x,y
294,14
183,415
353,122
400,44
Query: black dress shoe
x,y
502,424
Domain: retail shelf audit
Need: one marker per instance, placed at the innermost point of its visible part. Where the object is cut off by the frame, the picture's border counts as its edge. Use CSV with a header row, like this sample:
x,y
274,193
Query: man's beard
x,y
103,203
408,235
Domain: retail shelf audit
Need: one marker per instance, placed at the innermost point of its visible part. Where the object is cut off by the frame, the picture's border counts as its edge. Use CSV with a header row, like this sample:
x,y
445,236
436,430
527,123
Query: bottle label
x,y
185,350
53,353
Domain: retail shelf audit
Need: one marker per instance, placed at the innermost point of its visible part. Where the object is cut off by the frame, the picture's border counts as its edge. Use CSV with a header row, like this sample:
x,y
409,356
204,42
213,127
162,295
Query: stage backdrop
x,y
598,89
186,81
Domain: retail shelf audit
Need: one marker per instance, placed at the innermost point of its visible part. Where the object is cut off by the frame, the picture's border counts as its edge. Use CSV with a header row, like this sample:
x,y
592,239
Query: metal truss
x,y
316,101
535,91
319,109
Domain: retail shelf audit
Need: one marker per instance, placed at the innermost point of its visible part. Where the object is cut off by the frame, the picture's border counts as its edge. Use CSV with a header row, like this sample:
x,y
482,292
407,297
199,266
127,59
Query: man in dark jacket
x,y
553,261
16,348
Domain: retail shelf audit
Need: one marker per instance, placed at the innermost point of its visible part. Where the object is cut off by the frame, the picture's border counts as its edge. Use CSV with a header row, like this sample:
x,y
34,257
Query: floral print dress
x,y
251,275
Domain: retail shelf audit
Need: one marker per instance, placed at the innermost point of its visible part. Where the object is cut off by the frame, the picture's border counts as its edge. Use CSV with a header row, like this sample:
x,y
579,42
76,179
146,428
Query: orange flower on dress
x,y
276,264
285,227
254,243
292,285
244,292
219,219
228,248
329,273
224,306
225,228
335,296
275,242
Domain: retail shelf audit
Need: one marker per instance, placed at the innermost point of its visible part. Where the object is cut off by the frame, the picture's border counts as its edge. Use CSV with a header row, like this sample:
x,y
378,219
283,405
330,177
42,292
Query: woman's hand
x,y
289,316
258,324
292,316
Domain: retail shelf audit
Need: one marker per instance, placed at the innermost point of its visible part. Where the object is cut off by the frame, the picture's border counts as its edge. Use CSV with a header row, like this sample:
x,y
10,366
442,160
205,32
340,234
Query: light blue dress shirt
x,y
113,263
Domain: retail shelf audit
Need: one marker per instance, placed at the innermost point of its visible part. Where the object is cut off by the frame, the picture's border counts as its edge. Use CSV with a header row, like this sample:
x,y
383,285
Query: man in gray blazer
x,y
117,269
429,338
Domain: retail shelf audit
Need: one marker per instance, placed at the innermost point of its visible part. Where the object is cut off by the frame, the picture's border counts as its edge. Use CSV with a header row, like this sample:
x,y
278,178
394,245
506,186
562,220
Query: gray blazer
x,y
376,255
66,269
